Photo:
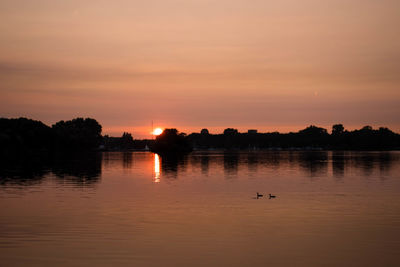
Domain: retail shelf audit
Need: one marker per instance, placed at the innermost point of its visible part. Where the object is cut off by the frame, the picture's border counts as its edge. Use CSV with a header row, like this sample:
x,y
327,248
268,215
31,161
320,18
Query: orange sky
x,y
190,64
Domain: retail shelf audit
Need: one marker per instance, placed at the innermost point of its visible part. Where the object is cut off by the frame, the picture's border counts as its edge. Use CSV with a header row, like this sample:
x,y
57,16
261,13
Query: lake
x,y
138,209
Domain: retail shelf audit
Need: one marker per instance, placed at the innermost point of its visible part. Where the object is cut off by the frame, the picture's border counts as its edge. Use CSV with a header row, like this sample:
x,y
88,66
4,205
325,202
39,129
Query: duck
x,y
272,196
259,195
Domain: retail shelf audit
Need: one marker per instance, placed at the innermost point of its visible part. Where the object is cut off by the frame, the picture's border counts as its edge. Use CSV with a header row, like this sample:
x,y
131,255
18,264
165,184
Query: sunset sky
x,y
193,64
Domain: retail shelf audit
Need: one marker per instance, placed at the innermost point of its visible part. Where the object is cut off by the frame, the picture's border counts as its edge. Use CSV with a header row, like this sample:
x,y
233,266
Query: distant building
x,y
252,131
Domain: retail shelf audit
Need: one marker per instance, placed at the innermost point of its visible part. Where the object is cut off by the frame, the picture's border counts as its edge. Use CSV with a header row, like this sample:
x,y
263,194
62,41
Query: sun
x,y
157,131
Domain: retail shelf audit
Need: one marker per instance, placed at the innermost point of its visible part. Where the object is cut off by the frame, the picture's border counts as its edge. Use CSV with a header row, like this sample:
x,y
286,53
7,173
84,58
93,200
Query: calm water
x,y
137,209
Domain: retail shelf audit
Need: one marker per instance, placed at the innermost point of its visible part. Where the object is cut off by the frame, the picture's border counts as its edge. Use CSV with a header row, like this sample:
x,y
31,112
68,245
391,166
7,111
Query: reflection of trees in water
x,y
314,162
273,159
201,161
205,164
365,162
231,162
385,162
127,160
23,171
85,170
114,159
368,161
292,159
338,163
252,162
172,164
79,170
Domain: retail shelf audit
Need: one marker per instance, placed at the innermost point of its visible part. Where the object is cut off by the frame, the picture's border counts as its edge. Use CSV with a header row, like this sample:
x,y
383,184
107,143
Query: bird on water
x,y
272,196
259,195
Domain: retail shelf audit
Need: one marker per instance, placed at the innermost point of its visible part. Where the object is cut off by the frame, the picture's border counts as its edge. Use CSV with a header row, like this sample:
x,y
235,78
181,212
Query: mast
x,y
152,130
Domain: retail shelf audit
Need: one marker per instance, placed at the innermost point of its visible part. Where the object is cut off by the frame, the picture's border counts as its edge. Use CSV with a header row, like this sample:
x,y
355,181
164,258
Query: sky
x,y
193,64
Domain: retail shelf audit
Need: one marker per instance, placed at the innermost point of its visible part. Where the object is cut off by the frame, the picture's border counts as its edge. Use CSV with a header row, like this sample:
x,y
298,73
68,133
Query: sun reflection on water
x,y
156,168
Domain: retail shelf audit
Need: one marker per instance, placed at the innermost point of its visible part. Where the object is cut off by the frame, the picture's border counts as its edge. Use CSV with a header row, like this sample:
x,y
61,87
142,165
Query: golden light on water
x,y
157,131
156,168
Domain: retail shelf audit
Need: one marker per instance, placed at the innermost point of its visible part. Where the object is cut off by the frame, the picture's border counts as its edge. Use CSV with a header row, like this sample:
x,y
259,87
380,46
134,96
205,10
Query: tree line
x,y
310,138
26,136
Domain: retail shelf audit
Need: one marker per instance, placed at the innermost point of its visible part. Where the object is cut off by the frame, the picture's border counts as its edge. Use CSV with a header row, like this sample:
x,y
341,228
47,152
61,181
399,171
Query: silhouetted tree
x,y
312,136
204,132
78,134
337,129
127,140
366,128
24,135
171,142
313,130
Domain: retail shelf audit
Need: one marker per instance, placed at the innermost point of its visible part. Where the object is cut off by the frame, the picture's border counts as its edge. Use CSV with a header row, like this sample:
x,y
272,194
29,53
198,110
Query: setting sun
x,y
157,131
